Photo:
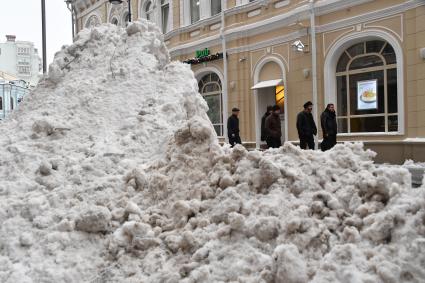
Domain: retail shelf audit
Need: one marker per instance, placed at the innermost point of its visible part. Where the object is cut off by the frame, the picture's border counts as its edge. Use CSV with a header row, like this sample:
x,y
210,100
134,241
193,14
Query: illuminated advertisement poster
x,y
367,95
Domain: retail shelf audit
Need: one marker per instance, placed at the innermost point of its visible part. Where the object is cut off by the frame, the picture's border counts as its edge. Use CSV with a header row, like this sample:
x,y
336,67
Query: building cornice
x,y
300,13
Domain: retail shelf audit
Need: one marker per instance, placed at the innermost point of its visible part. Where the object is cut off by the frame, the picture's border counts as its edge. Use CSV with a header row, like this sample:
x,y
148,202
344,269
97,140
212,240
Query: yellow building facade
x,y
367,57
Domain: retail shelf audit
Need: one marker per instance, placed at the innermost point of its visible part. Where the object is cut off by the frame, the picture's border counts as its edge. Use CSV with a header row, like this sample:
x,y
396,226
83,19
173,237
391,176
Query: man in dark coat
x,y
233,128
329,127
273,129
263,122
306,126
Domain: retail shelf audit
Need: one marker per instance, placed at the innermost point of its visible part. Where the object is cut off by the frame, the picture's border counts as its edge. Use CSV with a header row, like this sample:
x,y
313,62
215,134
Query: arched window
x,y
149,11
194,11
114,21
366,79
1,103
92,21
11,103
165,11
210,88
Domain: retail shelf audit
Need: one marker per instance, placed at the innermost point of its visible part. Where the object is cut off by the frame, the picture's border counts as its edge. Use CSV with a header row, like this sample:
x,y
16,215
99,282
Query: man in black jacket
x,y
233,128
263,122
329,127
306,126
273,129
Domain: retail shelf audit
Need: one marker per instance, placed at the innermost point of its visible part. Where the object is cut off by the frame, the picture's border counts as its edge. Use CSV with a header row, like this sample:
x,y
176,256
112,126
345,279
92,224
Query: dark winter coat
x,y
263,126
272,126
305,125
233,126
328,123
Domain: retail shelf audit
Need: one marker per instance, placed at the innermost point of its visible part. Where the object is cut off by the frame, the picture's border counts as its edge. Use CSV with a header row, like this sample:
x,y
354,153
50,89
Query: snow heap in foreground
x,y
111,172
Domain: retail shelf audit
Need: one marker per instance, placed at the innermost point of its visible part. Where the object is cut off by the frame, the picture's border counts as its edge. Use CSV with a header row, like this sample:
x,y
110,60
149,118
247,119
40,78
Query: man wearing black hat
x,y
273,128
233,128
306,126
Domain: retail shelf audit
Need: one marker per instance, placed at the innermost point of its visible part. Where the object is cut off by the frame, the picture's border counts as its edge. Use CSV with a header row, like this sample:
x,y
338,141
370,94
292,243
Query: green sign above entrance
x,y
202,53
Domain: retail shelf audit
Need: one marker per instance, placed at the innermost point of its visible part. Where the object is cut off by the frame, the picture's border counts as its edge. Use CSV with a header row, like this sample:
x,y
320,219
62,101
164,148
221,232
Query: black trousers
x,y
328,142
273,142
307,140
234,140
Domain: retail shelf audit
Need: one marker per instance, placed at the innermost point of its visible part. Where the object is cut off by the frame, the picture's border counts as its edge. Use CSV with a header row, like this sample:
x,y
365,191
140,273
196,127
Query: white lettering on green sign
x,y
202,53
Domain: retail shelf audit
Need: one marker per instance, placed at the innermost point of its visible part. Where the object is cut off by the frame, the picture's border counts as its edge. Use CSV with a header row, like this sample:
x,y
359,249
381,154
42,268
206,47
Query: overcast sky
x,y
23,19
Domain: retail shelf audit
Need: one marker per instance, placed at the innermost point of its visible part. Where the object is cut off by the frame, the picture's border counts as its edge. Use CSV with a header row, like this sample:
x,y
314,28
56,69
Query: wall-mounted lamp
x,y
299,46
242,59
306,73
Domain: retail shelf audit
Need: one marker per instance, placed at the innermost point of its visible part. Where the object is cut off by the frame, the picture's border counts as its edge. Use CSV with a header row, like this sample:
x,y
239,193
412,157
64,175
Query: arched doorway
x,y
269,89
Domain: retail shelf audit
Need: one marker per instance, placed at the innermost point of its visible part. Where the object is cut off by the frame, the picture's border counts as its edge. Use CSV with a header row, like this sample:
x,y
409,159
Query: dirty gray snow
x,y
112,172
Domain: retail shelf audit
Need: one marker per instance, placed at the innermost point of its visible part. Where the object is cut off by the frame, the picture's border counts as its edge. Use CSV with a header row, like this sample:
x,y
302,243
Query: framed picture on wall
x,y
367,94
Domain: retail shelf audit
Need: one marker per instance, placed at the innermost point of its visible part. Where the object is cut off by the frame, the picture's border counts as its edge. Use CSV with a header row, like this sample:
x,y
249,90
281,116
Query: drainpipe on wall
x,y
71,8
224,84
314,69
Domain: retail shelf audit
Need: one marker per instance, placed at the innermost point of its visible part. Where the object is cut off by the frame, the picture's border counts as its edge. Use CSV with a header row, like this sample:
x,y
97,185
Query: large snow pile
x,y
111,172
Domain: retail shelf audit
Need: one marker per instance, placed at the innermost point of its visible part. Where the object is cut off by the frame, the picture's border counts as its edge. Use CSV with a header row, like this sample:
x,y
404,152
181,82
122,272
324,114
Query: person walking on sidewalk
x,y
306,126
273,129
329,127
233,128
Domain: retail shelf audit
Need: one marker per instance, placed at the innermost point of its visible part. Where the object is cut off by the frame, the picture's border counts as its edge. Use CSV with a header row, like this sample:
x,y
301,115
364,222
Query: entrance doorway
x,y
267,93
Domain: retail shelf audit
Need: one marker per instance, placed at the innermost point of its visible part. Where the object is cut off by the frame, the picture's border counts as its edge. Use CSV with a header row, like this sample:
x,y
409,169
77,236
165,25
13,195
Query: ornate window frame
x,y
331,60
199,74
92,17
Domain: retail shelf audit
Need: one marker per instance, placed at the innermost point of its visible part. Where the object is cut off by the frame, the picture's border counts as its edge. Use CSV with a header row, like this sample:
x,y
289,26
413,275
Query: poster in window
x,y
367,95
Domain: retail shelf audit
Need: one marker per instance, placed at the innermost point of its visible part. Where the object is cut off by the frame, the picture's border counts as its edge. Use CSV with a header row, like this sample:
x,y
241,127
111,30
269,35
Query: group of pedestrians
x,y
271,130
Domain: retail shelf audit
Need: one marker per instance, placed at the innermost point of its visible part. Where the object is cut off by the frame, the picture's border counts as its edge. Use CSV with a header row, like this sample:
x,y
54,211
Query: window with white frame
x,y
366,79
194,11
215,7
149,11
165,12
210,89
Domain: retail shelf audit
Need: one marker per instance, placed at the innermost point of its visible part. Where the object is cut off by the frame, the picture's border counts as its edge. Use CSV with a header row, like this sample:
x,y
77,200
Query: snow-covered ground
x,y
112,172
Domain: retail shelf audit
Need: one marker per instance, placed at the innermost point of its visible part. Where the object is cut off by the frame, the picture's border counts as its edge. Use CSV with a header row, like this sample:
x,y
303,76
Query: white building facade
x,y
12,92
20,59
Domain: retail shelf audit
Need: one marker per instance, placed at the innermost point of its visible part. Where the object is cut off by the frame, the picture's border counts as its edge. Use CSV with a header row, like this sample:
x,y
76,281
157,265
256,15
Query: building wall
x,y
263,31
13,62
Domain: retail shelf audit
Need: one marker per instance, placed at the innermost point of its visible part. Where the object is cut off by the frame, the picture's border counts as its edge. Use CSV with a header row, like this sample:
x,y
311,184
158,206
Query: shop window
x,y
215,7
194,11
366,79
165,11
210,89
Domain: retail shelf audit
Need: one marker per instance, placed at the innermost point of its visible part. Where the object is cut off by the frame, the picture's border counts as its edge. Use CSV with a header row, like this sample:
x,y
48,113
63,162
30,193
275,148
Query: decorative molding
x,y
215,26
298,13
325,48
400,36
281,4
254,13
195,33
